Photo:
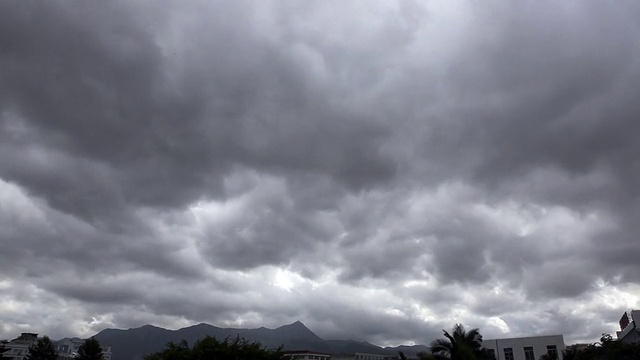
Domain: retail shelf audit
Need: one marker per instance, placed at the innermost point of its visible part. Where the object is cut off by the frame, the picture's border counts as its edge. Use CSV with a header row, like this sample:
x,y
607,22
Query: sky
x,y
379,170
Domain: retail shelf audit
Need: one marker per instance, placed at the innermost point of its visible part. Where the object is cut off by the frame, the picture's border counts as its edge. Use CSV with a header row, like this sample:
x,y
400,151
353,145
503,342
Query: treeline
x,y
606,349
457,345
43,349
203,349
212,348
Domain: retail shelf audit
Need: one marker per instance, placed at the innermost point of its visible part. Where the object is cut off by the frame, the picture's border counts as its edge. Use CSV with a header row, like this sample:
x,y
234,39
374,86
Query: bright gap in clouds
x,y
286,279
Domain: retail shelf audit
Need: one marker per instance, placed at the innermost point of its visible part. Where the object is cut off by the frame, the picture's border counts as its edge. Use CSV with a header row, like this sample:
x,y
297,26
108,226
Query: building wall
x,y
68,349
630,335
631,331
305,355
535,345
19,347
17,351
363,356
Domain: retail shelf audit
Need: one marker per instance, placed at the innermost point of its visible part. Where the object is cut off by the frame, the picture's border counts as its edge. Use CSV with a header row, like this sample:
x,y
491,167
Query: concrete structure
x,y
363,356
68,349
3,347
18,348
306,355
629,327
525,348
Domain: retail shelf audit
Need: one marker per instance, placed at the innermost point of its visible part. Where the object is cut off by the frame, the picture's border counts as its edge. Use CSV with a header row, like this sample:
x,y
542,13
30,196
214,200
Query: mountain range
x,y
134,344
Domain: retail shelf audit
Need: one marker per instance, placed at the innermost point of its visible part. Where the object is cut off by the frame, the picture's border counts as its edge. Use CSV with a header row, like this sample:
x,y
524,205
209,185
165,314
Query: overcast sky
x,y
378,170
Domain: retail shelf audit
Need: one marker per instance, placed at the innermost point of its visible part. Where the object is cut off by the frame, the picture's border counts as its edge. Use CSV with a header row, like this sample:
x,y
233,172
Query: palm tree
x,y
459,345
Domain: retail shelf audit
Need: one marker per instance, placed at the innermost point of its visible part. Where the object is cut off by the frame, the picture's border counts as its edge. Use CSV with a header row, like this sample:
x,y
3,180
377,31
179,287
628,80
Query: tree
x,y
90,350
421,356
459,345
570,352
549,356
211,348
607,349
173,351
606,340
42,350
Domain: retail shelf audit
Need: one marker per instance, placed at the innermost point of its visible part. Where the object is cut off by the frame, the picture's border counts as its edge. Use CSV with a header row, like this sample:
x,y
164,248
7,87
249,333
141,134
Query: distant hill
x,y
134,344
352,346
408,349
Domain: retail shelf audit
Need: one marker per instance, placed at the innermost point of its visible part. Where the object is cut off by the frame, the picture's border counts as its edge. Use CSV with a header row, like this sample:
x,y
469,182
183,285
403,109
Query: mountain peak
x,y
298,325
146,327
297,330
132,344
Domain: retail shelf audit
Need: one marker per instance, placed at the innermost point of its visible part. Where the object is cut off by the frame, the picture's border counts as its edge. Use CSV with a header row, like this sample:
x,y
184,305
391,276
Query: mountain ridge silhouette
x,y
135,343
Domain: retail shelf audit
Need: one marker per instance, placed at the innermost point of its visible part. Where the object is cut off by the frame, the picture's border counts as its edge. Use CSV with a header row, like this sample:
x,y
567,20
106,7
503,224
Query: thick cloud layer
x,y
377,170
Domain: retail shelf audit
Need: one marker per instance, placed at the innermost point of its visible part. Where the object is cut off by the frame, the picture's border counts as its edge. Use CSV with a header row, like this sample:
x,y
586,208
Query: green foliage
x,y
211,348
42,350
549,356
606,339
90,350
425,356
606,349
459,345
172,352
421,356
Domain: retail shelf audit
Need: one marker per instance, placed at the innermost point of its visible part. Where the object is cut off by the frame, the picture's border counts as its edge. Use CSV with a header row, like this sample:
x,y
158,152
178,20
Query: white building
x,y
363,356
68,349
629,327
306,355
19,347
525,348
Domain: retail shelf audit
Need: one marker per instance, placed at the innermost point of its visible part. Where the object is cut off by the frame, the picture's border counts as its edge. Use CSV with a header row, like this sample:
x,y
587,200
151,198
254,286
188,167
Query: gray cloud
x,y
379,172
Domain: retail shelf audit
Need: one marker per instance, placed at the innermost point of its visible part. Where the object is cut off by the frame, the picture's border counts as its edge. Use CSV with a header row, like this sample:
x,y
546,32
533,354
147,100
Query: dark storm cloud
x,y
391,259
267,227
105,95
377,171
554,99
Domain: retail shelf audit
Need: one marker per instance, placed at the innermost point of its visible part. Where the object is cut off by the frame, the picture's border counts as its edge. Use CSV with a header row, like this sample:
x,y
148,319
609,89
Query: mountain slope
x,y
352,346
134,344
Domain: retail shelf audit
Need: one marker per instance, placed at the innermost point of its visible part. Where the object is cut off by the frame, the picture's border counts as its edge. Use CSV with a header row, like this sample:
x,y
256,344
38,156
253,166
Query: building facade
x,y
525,348
18,348
363,356
629,327
306,355
68,349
